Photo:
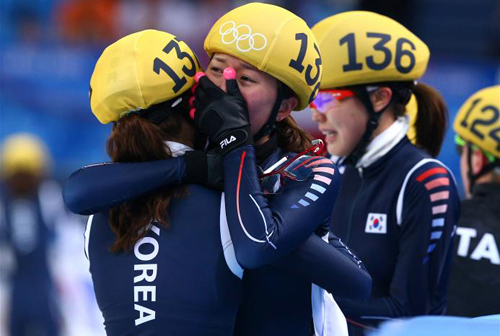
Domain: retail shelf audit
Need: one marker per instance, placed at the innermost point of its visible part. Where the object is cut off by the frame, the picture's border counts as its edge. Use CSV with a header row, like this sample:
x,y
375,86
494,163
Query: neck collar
x,y
384,142
263,151
177,148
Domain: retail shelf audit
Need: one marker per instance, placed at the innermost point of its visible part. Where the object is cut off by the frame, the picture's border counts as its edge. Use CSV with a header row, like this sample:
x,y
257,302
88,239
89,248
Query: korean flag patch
x,y
376,223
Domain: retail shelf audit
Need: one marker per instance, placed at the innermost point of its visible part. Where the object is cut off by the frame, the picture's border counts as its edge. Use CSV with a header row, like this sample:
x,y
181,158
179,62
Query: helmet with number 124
x,y
478,120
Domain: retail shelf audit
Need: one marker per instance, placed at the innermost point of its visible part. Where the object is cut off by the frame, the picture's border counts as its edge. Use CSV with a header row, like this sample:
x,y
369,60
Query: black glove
x,y
222,116
204,168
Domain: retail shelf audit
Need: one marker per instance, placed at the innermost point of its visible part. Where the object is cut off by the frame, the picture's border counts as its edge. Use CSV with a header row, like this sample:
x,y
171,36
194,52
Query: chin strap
x,y
270,126
401,92
363,94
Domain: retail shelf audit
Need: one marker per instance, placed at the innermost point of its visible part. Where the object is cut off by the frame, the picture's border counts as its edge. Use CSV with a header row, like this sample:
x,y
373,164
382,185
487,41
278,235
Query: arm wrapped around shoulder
x,y
98,187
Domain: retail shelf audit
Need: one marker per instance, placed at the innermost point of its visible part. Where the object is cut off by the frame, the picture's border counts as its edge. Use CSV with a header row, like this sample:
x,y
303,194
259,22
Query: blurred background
x,y
48,49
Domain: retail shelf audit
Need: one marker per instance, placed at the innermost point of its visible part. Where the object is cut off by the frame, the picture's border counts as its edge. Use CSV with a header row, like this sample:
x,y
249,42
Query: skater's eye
x,y
247,79
216,69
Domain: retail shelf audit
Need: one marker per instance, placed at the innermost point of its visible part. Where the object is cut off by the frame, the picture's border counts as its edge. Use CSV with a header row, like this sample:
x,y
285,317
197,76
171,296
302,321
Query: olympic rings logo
x,y
240,34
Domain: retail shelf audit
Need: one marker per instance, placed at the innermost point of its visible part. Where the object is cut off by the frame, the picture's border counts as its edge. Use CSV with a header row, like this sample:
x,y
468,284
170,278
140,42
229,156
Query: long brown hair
x,y
292,138
432,118
135,139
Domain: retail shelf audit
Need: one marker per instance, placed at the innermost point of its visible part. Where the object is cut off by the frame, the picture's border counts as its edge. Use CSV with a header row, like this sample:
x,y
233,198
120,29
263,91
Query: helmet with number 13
x,y
141,73
277,62
371,64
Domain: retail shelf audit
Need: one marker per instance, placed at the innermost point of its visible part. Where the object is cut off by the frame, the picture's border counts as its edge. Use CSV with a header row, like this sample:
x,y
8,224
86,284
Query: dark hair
x,y
291,138
135,139
432,118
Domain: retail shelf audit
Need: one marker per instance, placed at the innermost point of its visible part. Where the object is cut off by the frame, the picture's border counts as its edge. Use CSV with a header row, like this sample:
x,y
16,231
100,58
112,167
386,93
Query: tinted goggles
x,y
461,143
324,99
291,169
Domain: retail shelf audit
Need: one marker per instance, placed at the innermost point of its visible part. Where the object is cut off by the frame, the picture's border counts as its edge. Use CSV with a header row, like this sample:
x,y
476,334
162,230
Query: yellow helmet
x,y
138,71
273,40
362,47
24,152
478,120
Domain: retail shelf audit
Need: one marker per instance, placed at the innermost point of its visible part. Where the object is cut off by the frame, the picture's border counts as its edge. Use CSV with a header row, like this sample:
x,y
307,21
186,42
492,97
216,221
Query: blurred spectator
x,y
188,20
27,25
25,21
87,21
133,16
43,271
29,205
474,288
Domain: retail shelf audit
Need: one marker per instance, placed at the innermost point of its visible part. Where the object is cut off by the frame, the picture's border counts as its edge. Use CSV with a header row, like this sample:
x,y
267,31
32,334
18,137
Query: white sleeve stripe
x,y
303,202
324,179
227,243
261,214
439,209
318,188
311,196
264,220
86,235
399,205
245,230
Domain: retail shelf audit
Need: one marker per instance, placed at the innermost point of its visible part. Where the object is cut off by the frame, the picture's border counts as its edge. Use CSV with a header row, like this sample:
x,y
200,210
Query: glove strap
x,y
233,139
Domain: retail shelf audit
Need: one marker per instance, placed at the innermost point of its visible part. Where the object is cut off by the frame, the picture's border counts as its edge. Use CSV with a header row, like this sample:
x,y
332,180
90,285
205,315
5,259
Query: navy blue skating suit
x,y
175,281
474,288
399,215
261,230
27,227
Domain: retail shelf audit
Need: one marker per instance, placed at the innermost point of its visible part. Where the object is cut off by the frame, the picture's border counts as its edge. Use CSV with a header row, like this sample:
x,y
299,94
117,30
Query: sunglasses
x,y
325,97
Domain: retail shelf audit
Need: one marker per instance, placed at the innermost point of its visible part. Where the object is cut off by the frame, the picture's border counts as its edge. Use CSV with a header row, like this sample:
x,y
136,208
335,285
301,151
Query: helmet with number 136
x,y
366,55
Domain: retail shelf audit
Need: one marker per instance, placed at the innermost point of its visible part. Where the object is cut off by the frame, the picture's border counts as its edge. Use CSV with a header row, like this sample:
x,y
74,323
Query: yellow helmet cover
x,y
138,71
478,120
24,152
361,47
273,40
